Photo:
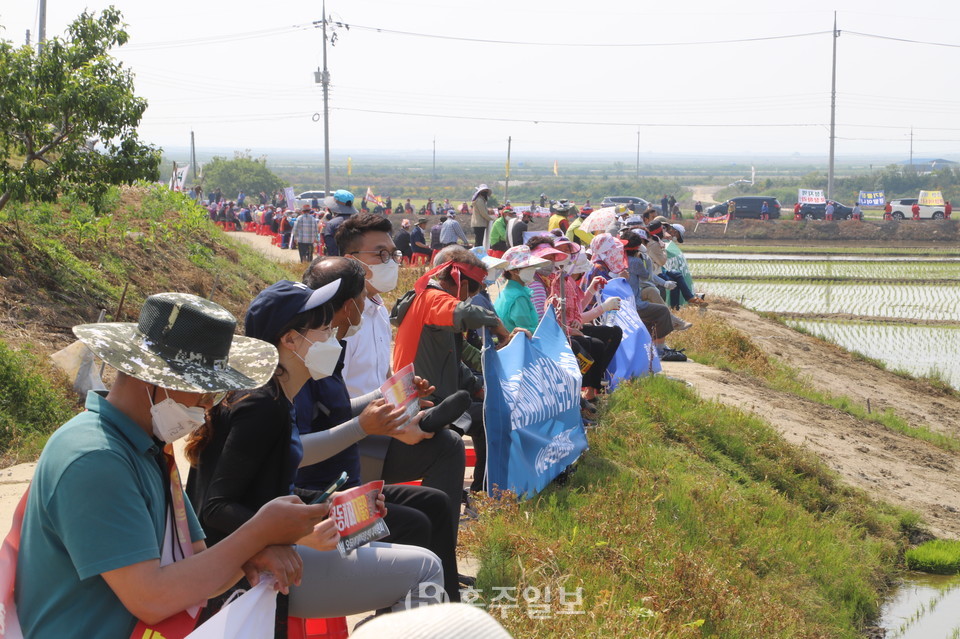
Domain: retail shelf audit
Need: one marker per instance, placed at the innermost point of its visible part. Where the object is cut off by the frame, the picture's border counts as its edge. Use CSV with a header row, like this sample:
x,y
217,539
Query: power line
x,y
590,45
883,37
577,122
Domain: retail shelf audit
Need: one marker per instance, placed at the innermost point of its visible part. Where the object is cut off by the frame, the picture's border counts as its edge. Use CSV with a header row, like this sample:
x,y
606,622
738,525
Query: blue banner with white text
x,y
636,356
531,410
871,198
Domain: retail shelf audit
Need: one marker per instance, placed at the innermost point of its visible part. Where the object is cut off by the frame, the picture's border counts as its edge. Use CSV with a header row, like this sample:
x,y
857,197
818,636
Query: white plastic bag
x,y
249,616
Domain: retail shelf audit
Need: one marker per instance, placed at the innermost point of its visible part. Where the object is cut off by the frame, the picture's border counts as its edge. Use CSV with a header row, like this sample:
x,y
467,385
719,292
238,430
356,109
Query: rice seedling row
x,y
777,269
919,350
896,299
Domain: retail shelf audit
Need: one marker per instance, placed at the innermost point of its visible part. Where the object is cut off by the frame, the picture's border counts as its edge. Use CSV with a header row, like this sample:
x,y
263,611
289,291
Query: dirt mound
x,y
897,468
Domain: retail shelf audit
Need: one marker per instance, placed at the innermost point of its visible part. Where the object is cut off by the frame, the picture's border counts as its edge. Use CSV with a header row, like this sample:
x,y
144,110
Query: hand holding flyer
x,y
400,390
357,517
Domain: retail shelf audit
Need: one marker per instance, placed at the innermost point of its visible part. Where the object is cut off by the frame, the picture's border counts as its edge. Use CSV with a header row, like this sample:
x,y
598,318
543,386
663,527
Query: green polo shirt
x,y
97,503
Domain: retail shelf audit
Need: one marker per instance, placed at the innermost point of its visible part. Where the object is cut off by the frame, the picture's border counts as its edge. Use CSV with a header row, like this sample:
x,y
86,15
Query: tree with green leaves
x,y
57,106
242,173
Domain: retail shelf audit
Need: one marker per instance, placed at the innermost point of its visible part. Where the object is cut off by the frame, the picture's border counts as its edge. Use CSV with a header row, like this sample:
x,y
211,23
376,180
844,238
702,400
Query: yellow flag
x,y
555,171
349,165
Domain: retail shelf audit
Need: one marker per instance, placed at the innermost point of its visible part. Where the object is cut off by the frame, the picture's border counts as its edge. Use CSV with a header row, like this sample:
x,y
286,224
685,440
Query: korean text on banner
x,y
723,219
811,196
871,198
531,410
931,198
636,355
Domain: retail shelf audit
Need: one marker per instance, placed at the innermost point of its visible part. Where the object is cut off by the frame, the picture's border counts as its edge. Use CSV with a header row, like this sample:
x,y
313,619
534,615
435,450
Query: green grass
x,y
30,406
940,556
687,518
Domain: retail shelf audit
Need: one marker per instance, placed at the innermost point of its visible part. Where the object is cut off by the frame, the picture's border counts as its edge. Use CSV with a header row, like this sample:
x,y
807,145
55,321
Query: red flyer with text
x,y
399,390
357,518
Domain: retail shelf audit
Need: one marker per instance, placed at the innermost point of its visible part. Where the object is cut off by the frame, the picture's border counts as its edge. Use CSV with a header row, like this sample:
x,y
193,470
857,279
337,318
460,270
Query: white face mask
x,y
384,276
527,275
172,420
353,329
322,357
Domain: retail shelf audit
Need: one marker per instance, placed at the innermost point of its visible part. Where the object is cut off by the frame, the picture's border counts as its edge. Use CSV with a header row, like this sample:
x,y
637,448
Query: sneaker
x,y
670,355
697,300
681,325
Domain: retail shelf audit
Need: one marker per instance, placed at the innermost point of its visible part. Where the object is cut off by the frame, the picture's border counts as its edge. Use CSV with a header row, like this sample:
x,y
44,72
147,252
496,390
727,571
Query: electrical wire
x,y
884,37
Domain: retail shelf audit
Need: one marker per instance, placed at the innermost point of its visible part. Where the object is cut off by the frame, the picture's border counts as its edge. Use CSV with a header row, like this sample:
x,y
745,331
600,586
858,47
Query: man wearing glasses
x,y
439,461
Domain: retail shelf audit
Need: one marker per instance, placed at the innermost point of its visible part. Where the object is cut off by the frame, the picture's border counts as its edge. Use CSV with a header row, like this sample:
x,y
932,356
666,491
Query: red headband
x,y
456,270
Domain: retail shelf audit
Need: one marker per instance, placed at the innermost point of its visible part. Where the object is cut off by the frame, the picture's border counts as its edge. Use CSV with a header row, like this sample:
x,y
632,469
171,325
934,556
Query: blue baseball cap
x,y
279,303
340,203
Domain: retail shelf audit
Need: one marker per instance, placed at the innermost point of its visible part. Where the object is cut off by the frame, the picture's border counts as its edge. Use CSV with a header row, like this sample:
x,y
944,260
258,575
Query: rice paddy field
x,y
903,310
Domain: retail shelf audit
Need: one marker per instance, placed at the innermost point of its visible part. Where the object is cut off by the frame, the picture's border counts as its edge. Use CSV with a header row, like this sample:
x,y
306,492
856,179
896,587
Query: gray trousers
x,y
373,577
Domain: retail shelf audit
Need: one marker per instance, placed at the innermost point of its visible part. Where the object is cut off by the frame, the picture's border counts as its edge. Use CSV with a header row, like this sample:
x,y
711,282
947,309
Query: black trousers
x,y
605,342
306,251
420,516
478,235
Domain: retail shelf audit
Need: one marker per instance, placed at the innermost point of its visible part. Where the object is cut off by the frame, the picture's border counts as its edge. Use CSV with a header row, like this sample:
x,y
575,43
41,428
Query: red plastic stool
x,y
419,259
332,628
471,458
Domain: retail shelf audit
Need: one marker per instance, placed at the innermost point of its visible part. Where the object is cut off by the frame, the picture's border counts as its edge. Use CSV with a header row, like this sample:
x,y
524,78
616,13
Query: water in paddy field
x,y
918,350
768,257
923,607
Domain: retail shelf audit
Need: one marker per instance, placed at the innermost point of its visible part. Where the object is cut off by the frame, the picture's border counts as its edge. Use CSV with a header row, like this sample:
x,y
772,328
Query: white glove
x,y
670,285
611,304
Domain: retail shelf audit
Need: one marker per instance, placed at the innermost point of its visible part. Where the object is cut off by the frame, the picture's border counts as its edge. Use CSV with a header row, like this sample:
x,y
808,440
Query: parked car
x,y
307,197
902,209
748,207
639,204
818,211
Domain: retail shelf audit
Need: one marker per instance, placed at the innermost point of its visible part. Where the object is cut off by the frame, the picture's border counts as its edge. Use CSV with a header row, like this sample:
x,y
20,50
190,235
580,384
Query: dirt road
x,y
264,245
705,193
902,470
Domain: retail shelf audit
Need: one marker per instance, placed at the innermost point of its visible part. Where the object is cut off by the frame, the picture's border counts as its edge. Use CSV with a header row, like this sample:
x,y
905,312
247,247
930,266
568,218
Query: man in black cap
x,y
108,537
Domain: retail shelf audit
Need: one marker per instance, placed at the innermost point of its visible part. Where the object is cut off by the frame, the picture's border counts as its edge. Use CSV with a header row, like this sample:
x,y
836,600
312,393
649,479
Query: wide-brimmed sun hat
x,y
519,257
340,203
185,343
480,189
547,252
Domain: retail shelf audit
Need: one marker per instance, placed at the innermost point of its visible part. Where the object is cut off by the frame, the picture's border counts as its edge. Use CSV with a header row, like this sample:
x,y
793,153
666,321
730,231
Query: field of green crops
x,y
826,269
807,289
823,249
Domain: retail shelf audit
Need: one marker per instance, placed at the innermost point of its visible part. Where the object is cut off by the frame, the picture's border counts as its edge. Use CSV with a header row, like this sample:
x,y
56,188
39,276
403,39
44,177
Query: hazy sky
x,y
240,74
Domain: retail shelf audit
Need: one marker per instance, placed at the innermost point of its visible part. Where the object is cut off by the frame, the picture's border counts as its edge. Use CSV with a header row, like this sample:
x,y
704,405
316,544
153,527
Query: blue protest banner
x,y
636,355
871,198
531,410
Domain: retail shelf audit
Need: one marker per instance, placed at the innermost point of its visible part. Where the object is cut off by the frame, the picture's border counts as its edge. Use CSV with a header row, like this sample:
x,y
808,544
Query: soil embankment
x,y
888,465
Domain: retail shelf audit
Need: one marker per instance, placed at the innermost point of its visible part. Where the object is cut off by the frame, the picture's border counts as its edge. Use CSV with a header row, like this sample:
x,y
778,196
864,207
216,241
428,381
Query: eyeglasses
x,y
384,255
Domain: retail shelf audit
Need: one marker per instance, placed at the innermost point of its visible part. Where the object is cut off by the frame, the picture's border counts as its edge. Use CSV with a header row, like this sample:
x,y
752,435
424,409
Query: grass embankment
x,y
60,264
687,518
713,342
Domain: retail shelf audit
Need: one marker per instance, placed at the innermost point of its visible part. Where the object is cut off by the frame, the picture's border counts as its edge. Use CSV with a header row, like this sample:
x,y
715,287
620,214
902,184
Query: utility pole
x,y
833,108
911,149
638,153
28,37
42,27
326,108
506,184
193,157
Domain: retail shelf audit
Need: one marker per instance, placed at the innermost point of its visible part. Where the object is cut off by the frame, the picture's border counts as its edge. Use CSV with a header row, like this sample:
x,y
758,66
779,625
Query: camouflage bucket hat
x,y
182,342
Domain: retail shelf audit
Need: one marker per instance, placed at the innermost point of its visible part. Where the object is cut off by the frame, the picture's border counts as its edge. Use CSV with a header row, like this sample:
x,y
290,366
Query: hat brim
x,y
251,361
338,207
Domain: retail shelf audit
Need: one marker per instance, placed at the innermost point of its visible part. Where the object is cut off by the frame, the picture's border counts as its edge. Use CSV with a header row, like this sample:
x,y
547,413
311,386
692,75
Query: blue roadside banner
x,y
636,355
871,198
531,410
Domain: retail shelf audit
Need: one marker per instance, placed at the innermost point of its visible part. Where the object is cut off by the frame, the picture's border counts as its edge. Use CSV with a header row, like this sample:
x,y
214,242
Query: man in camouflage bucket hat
x,y
103,536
